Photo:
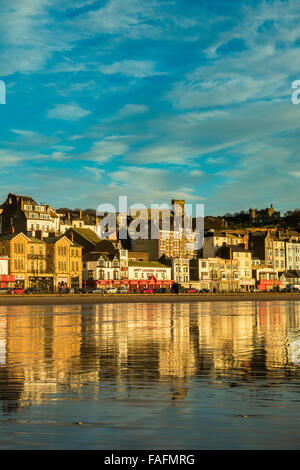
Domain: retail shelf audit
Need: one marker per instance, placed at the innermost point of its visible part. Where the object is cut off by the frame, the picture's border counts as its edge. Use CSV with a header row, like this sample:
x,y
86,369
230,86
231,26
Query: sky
x,y
151,99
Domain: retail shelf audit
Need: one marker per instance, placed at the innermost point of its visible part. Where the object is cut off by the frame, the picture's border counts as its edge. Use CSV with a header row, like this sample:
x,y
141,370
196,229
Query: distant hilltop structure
x,y
264,216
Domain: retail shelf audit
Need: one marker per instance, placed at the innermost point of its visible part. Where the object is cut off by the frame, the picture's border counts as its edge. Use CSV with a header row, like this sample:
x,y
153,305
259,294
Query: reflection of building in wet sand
x,y
43,351
46,351
226,338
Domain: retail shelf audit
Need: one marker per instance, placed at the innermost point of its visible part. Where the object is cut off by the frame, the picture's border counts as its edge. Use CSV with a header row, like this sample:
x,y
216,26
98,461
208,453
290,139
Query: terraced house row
x,y
49,249
45,264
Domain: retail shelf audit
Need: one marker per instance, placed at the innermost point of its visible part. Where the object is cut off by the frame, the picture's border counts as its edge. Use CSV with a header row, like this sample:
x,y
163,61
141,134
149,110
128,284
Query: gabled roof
x,y
95,256
52,240
86,233
10,236
291,274
105,246
239,248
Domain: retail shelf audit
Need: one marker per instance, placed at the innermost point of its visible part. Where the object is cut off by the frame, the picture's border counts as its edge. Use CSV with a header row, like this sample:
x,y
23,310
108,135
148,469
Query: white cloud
x,y
67,112
106,149
131,68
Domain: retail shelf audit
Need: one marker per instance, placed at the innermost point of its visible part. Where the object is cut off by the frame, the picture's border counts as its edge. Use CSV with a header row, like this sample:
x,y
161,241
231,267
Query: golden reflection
x,y
48,351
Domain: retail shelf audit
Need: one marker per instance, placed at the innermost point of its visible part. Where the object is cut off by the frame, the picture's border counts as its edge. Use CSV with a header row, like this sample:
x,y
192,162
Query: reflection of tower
x,y
178,391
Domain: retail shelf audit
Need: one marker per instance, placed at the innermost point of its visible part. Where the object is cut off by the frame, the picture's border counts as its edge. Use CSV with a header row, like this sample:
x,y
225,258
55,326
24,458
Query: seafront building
x,y
47,249
43,264
23,214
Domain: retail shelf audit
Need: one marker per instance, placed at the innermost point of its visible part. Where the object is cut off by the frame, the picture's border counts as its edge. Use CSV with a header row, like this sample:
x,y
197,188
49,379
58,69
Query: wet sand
x,y
93,299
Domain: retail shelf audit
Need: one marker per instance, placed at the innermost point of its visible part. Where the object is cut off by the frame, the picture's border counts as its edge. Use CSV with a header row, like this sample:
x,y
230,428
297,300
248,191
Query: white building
x,y
292,251
101,267
215,240
147,270
4,260
180,270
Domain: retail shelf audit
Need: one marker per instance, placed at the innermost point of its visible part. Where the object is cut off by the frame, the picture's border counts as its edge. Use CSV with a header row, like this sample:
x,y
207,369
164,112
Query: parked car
x,y
161,290
123,290
290,289
81,290
147,291
204,291
66,290
4,290
111,290
95,291
31,290
191,290
17,290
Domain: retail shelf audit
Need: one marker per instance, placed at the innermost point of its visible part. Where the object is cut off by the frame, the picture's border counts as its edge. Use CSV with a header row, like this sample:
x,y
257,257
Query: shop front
x,y
41,284
268,284
61,283
7,281
247,285
75,282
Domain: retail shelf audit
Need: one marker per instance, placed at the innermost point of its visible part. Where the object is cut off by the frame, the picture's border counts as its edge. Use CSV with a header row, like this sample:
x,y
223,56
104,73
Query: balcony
x,y
34,256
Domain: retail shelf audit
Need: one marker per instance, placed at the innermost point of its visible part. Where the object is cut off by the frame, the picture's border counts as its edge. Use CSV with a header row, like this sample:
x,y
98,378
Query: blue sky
x,y
151,99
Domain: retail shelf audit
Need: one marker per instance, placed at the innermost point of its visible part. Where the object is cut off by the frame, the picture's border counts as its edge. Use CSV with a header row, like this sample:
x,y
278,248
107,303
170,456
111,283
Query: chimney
x,y
39,234
80,213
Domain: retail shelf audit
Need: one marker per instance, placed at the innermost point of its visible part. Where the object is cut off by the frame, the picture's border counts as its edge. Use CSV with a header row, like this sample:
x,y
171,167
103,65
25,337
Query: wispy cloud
x,y
131,68
67,112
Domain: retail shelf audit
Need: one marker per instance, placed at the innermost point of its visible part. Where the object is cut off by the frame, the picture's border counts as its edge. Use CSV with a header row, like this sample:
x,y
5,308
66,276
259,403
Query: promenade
x,y
79,299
